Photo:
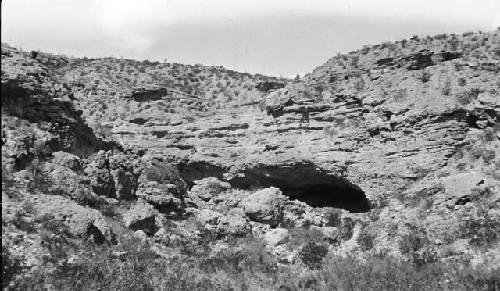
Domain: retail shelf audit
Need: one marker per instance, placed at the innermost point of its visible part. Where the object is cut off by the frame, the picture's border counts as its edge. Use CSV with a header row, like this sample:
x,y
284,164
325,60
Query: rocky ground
x,y
379,170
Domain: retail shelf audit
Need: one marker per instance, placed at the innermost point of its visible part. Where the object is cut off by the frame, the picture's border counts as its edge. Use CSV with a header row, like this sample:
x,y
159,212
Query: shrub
x,y
84,196
20,222
446,89
41,150
379,273
40,181
468,96
354,61
347,229
312,254
249,254
481,278
11,266
365,240
454,43
302,236
488,155
333,217
482,231
161,172
424,76
462,81
412,242
109,210
8,183
137,268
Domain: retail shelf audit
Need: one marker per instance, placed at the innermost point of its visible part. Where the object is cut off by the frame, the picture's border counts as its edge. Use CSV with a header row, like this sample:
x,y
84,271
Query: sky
x,y
272,37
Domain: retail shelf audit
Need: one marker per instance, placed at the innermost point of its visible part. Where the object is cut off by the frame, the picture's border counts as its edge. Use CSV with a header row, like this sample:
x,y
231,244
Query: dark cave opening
x,y
302,181
325,195
307,183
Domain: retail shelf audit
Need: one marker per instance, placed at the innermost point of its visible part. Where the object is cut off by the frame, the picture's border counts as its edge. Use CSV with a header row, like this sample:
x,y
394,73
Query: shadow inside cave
x,y
325,195
302,181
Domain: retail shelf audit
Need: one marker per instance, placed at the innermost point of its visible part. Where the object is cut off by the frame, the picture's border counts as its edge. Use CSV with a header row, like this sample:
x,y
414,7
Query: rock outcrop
x,y
265,206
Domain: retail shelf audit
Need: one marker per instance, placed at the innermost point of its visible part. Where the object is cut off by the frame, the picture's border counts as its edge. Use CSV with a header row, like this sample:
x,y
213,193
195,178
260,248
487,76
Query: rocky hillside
x,y
380,164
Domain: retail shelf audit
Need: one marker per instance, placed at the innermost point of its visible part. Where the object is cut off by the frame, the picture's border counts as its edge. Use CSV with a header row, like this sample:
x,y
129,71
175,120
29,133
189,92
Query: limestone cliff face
x,y
374,121
38,113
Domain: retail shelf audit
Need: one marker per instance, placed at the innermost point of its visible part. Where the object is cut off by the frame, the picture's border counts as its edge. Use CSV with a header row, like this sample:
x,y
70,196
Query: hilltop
x,y
378,170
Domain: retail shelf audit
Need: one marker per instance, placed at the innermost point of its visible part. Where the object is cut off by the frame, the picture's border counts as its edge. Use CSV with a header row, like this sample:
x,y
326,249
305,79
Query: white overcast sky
x,y
276,37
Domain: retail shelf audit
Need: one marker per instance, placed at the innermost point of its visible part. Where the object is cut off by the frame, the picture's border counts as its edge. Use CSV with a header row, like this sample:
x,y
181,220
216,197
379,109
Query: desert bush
x,y
246,265
489,134
161,172
347,229
301,236
497,51
446,87
136,268
312,254
8,183
424,76
40,181
462,81
481,278
482,231
482,152
85,197
354,62
379,273
40,150
108,210
412,242
417,247
11,266
246,255
333,217
365,240
19,221
104,131
468,96
454,43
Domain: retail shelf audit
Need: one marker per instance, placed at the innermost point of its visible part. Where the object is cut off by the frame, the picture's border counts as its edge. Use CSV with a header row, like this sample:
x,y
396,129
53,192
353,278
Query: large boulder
x,y
207,188
221,224
276,236
141,217
299,214
81,221
61,180
101,181
112,175
125,184
265,206
160,196
161,185
67,160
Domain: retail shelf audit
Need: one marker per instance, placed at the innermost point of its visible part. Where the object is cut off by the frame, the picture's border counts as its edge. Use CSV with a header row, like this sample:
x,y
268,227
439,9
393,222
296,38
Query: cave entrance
x,y
302,181
307,183
327,195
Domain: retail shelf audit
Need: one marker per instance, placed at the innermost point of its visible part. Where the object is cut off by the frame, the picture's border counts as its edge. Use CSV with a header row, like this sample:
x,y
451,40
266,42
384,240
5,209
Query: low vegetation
x,y
132,265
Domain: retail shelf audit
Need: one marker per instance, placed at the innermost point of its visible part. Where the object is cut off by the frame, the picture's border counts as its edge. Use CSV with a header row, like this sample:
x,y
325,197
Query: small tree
x,y
446,90
424,76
